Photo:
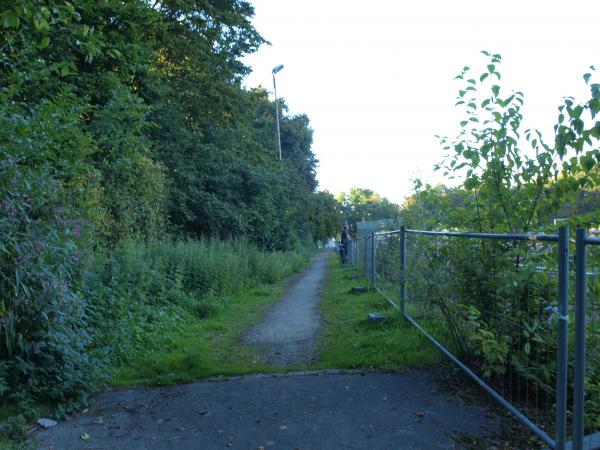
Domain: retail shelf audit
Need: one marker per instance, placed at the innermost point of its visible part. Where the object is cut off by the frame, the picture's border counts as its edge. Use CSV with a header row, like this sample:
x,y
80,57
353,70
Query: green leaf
x,y
496,90
527,348
472,183
44,42
85,30
491,68
594,106
484,76
587,162
10,19
576,113
586,77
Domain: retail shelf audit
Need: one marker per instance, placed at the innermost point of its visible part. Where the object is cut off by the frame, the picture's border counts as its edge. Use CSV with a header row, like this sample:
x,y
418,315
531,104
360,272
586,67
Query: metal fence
x,y
498,306
586,391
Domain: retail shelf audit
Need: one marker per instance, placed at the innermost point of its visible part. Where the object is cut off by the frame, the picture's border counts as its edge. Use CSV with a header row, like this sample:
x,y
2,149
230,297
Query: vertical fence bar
x,y
580,306
563,336
366,256
373,273
402,268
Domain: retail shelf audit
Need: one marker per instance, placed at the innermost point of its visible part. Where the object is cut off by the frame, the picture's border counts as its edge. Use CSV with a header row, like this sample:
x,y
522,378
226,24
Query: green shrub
x,y
43,317
147,286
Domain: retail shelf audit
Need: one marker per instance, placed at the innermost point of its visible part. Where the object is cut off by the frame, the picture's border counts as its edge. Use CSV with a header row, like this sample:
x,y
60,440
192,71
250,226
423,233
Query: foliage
x,y
435,207
123,123
487,299
364,204
325,218
144,289
43,349
193,349
512,186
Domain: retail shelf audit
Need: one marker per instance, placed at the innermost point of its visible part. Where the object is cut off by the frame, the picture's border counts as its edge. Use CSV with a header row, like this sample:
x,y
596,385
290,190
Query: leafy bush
x,y
145,286
43,335
487,299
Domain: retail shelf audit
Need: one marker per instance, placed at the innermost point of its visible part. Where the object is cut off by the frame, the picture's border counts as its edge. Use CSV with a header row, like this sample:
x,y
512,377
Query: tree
x,y
364,204
326,217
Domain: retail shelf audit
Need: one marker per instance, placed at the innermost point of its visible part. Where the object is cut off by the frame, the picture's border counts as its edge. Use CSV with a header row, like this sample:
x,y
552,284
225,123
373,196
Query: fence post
x,y
366,239
580,306
373,273
402,268
562,334
350,252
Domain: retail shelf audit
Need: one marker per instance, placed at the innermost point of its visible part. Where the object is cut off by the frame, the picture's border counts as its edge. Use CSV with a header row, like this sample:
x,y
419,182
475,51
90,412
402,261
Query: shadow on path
x,y
294,411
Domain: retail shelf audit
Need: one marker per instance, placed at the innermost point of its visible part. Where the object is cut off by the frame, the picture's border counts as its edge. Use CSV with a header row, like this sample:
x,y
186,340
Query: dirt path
x,y
288,333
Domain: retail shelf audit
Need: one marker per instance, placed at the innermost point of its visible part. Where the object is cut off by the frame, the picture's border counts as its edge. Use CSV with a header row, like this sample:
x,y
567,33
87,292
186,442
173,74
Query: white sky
x,y
376,78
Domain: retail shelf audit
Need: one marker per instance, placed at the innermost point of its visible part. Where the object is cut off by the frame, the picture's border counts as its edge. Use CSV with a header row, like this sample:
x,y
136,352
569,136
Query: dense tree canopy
x,y
156,132
124,120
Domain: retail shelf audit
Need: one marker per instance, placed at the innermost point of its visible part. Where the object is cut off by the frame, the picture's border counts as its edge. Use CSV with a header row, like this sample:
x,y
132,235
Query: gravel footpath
x,y
289,332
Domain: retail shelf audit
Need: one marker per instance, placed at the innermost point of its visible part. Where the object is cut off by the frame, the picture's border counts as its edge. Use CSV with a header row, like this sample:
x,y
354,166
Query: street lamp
x,y
274,71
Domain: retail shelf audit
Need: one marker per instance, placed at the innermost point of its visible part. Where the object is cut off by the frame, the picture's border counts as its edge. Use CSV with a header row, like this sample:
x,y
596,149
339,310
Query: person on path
x,y
345,243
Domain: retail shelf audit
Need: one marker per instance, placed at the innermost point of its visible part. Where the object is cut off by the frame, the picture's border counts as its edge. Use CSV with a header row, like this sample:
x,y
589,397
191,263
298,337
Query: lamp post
x,y
274,71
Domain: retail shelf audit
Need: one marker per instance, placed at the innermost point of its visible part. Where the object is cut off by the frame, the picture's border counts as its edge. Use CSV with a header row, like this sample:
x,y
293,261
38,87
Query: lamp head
x,y
277,68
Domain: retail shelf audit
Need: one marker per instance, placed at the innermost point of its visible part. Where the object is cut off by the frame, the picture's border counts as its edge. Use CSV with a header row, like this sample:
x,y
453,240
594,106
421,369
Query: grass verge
x,y
207,347
349,340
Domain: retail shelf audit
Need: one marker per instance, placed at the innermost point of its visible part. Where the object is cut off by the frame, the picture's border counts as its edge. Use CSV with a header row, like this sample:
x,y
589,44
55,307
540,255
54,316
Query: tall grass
x,y
147,286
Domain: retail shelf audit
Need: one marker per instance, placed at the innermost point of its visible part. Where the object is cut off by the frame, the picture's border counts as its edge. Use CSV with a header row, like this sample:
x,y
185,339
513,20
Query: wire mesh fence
x,y
587,346
499,306
491,303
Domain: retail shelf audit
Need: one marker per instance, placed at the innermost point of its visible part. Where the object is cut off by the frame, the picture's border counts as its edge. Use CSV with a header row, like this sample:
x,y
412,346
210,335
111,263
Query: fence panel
x,y
587,368
388,266
488,301
491,303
